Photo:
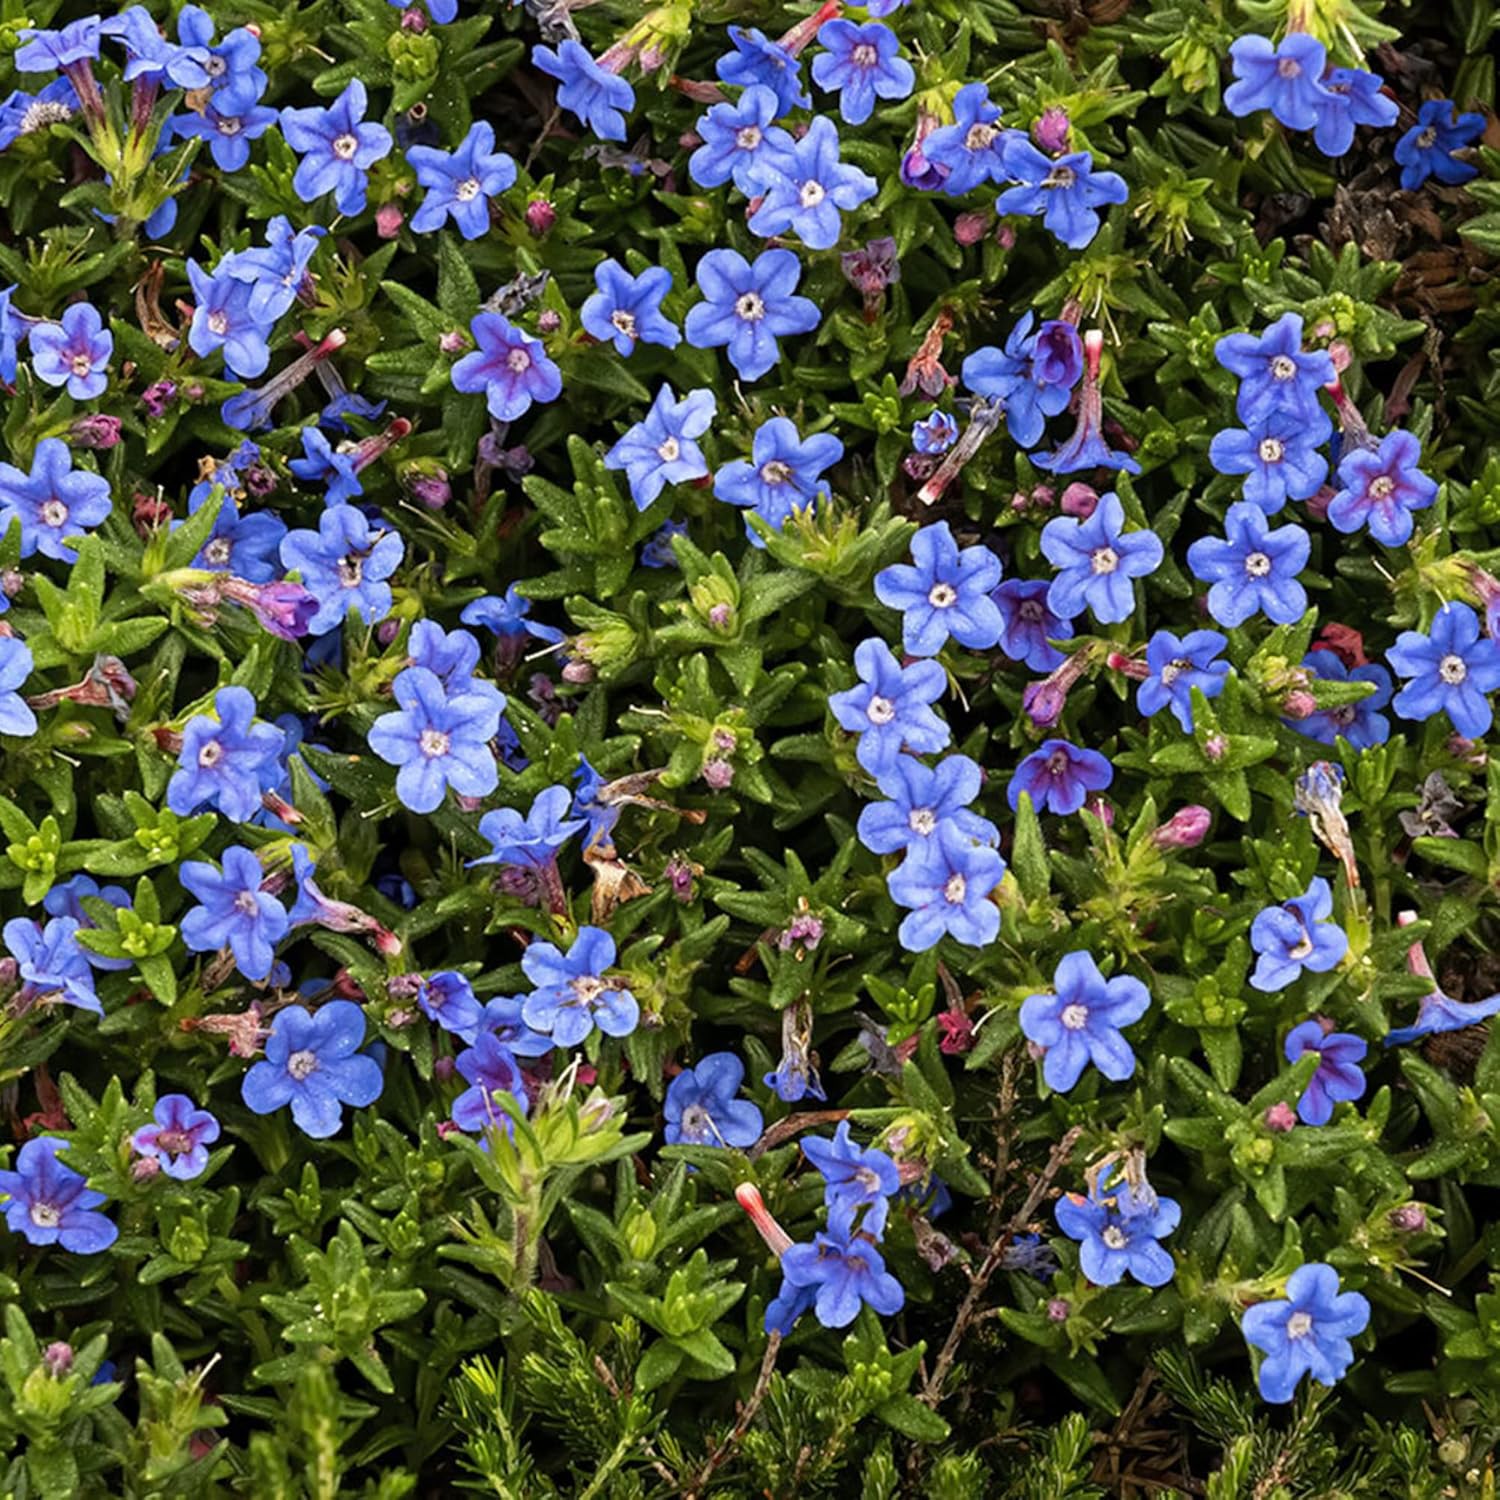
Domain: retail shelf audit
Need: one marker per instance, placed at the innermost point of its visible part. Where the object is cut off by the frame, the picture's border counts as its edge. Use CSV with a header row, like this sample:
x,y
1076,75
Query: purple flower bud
x,y
1051,130
1410,1218
1043,702
387,631
680,877
158,397
455,341
443,1069
803,931
1185,829
519,882
404,986
540,216
969,229
1058,1309
721,616
548,321
919,466
1299,704
144,1168
96,431
725,741
719,774
258,480
1280,1117
57,1359
414,20
1079,500
429,486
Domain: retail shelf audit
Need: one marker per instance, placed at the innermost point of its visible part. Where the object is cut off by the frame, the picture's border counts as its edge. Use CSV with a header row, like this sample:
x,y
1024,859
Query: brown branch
x,y
784,1130
747,1416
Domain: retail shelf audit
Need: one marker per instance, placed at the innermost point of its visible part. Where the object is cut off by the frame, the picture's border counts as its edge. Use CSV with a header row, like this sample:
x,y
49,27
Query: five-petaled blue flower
x,y
805,186
1034,374
1117,1232
972,149
1279,458
490,1069
891,709
178,1137
1177,667
1305,1333
323,463
74,353
52,964
1360,722
509,366
1426,150
1275,372
530,842
313,1063
627,308
783,474
1253,568
757,60
438,741
662,448
701,1108
1353,97
855,1178
66,900
448,998
598,97
1283,78
943,592
226,762
935,434
1096,560
572,996
233,911
54,503
735,137
1067,192
861,64
51,1204
461,182
748,307
338,148
16,663
847,1271
1451,669
922,798
1339,1076
1028,627
345,566
230,314
1381,487
1081,1022
945,882
1059,776
1299,934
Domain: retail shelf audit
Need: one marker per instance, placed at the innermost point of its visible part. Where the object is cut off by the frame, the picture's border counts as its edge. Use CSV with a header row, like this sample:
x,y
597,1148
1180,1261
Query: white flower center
x,y
864,56
246,904
350,570
775,472
1173,670
1283,367
518,360
1103,560
228,125
1428,138
211,753
1271,450
1257,565
345,146
955,890
880,710
1299,1325
1114,1237
979,137
623,321
943,596
1075,1017
434,742
46,1215
218,322
670,450
81,364
300,1064
813,193
922,820
468,190
218,551
1453,669
1301,949
1288,67
747,137
1382,487
750,306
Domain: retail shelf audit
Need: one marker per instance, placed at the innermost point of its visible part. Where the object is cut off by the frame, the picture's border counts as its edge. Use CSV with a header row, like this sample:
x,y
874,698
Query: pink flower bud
x,y
57,1359
414,20
680,877
158,397
578,673
1058,1309
1410,1218
548,321
387,631
1280,1118
96,431
1216,747
1102,810
719,774
455,341
747,1195
1051,130
1005,237
388,220
1079,500
1185,829
144,1168
969,229
957,1032
540,216
1299,704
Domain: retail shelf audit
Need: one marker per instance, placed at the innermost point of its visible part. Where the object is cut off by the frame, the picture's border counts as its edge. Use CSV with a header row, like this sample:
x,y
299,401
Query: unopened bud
x,y
96,431
1058,1309
1216,747
1410,1218
1079,500
548,320
144,1168
1280,1118
1299,704
969,229
388,220
454,341
1051,130
719,774
1185,829
57,1359
540,216
747,1195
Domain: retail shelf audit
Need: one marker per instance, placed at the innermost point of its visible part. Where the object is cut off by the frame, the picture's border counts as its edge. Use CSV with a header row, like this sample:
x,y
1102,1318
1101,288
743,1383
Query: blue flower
x,y
278,268
450,655
748,307
490,1068
530,842
236,81
1381,487
1297,935
701,1108
313,1063
507,615
448,998
1360,723
12,328
735,138
324,463
784,472
972,149
510,367
1452,669
861,64
52,964
1034,375
1353,97
656,550
438,741
795,1077
935,434
504,1016
1426,150
225,762
804,187
755,60
595,95
662,448
855,1178
337,149
1027,625
1059,776
945,882
243,544
847,1271
890,710
149,55
1082,1021
588,804
627,308
1177,667
345,566
1279,458
47,51
1253,568
178,1137
460,183
1066,192
228,135
1096,559
16,664
66,900
233,912
921,799
229,315
54,502
51,1204
946,592
1436,1013
1118,1233
1276,373
1339,1076
1283,79
572,996
74,353
1305,1333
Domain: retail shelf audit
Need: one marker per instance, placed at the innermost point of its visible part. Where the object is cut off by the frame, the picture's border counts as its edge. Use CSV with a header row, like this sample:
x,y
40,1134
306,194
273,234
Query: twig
x,y
747,1416
784,1130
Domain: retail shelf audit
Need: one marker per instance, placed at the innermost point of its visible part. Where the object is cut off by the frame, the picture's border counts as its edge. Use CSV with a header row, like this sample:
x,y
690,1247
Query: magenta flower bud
x,y
1280,1117
158,397
803,931
404,986
540,216
548,321
1005,237
1051,130
719,774
57,1359
1043,702
144,1168
1102,810
96,431
1079,500
725,741
1185,829
919,466
721,616
1299,704
429,487
443,1069
1058,1309
387,631
680,877
969,229
414,20
1410,1218
578,673
1216,747
388,220
455,341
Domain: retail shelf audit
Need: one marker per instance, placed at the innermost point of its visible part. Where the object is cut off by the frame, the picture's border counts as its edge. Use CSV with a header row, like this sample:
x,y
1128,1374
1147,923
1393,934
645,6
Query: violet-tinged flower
x,y
1254,569
1028,626
461,182
337,148
936,433
51,1204
757,60
1096,560
701,1108
1275,372
1360,723
47,51
150,56
229,315
345,566
52,964
1082,1021
74,353
437,741
510,367
1279,458
784,472
251,409
508,616
804,188
861,64
225,762
944,592
891,708
533,841
1451,669
1352,97
178,1137
972,149
1059,776
1283,78
1436,1013
66,900
313,1063
847,1272
322,462
945,882
572,997
236,81
736,137
450,655
448,998
503,1015
1299,934
627,308
13,328
1033,375
1087,448
16,663
595,95
1118,1233
278,269
1426,150
922,798
54,503
662,448
855,1178
1067,192
233,911
490,1069
1381,488
1176,667
748,307
1305,1333
1339,1076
